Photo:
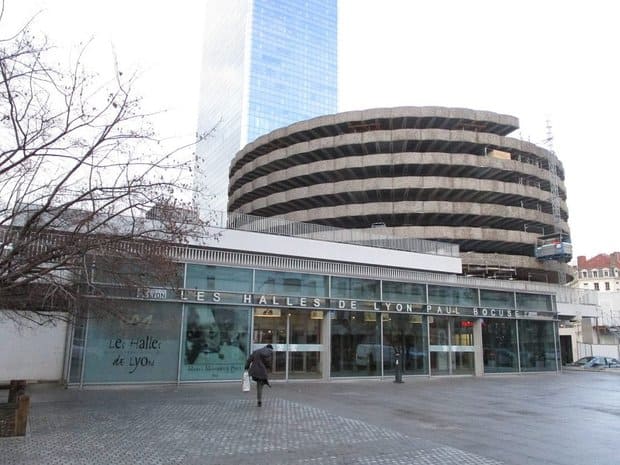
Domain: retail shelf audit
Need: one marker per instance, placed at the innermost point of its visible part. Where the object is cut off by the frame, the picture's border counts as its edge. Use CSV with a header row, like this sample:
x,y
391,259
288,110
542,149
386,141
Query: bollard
x,y
399,373
17,387
21,414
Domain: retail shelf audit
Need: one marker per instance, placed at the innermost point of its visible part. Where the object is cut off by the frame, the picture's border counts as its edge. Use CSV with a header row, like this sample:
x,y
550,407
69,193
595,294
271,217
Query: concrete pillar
x,y
478,350
326,329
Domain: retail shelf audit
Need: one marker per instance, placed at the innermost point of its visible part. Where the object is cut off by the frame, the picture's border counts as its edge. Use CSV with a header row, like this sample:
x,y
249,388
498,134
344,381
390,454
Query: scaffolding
x,y
556,247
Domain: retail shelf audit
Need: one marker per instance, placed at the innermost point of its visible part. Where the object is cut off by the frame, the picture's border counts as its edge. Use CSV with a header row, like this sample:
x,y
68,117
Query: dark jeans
x,y
259,388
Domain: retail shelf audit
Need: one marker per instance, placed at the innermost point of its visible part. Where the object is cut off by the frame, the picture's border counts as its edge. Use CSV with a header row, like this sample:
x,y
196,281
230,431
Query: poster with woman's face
x,y
216,342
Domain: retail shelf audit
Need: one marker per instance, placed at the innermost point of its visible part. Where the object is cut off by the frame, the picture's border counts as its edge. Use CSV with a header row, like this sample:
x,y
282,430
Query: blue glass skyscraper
x,y
266,64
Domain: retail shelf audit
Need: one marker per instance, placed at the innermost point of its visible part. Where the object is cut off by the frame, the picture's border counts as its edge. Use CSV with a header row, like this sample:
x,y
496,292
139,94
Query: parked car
x,y
597,362
500,357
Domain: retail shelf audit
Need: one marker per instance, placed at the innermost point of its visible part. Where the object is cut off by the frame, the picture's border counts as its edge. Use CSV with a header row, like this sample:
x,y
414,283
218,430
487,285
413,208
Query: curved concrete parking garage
x,y
445,174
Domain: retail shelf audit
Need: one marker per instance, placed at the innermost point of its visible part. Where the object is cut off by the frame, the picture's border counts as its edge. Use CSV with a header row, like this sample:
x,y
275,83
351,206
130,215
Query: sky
x,y
543,61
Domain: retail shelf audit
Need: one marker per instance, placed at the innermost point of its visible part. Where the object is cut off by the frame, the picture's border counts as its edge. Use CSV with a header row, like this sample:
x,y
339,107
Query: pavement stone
x,y
518,420
214,432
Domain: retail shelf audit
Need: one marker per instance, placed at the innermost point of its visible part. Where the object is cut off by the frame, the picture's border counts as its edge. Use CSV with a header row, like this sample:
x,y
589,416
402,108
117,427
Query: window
x,y
596,287
607,287
352,288
215,342
220,278
534,302
605,272
537,346
130,358
404,292
595,273
497,299
499,343
441,295
298,284
584,274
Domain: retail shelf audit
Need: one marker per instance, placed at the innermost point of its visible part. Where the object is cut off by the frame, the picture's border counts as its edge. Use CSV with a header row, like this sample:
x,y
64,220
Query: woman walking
x,y
257,365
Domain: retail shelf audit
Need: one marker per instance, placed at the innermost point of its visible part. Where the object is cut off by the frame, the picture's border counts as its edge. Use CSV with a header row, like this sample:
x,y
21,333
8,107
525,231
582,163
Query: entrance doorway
x,y
451,346
566,347
296,337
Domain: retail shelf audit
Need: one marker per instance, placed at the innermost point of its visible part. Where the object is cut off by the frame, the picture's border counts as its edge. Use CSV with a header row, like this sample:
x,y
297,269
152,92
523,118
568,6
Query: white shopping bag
x,y
245,382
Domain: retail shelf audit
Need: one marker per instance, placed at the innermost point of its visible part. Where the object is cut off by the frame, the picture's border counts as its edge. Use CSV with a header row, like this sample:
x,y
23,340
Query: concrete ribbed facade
x,y
445,174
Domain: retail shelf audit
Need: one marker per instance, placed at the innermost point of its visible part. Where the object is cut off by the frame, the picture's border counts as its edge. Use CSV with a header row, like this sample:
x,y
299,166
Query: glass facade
x,y
405,292
265,65
534,302
497,299
537,345
321,326
442,295
140,345
293,63
297,284
407,335
215,342
356,344
352,288
500,346
221,278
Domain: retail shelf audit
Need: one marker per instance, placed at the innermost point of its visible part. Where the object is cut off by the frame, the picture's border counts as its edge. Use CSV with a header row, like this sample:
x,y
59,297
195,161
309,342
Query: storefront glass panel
x,y
534,302
406,334
356,344
218,278
216,342
137,342
537,345
292,284
499,341
353,288
404,292
443,295
77,350
496,299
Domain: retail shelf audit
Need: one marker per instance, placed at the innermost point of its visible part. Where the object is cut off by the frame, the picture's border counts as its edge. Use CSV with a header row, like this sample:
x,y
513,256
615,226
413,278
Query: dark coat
x,y
258,362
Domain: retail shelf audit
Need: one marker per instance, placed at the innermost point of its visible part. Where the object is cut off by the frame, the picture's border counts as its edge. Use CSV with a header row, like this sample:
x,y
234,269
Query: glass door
x,y
296,339
451,345
270,327
439,345
304,347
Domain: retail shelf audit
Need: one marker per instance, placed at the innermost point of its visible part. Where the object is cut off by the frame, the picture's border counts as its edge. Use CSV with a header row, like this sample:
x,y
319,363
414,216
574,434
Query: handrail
x,y
186,252
284,227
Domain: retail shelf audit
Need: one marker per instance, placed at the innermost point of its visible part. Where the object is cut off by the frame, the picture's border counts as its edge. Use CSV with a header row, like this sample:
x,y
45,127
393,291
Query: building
x,y
332,309
266,64
599,273
444,174
598,332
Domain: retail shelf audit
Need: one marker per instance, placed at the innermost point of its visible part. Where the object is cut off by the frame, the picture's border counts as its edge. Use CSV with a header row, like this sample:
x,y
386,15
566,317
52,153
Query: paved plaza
x,y
563,419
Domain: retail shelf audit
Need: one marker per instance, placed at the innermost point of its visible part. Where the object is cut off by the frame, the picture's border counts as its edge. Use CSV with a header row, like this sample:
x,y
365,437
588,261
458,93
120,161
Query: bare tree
x,y
84,185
